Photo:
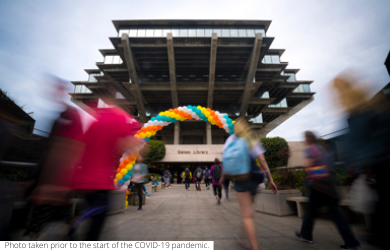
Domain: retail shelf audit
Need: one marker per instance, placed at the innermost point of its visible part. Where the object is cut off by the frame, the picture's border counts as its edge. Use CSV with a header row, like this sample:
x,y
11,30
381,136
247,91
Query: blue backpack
x,y
236,160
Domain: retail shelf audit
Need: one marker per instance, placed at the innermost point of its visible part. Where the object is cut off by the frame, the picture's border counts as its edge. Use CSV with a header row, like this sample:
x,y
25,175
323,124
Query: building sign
x,y
192,153
195,152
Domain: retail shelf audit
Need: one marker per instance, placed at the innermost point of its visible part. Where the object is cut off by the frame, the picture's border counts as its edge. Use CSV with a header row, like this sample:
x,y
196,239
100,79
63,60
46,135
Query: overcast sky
x,y
321,38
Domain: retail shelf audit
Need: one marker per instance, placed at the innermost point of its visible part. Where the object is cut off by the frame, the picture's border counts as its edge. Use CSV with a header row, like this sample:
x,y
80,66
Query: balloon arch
x,y
124,171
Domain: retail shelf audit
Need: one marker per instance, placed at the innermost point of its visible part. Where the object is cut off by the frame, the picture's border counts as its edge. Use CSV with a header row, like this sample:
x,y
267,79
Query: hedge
x,y
273,145
156,151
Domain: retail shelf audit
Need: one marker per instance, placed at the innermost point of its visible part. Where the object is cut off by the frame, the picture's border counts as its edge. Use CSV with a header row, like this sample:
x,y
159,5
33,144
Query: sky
x,y
321,38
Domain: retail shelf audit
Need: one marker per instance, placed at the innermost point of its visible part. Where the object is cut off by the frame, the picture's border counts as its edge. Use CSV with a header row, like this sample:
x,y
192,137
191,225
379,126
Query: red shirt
x,y
96,170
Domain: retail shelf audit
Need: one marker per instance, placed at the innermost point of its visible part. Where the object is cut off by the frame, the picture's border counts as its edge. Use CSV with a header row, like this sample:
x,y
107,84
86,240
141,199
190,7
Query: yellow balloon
x,y
129,167
161,113
199,107
177,117
115,181
133,162
233,122
124,171
136,135
142,135
119,176
207,113
127,203
153,132
148,134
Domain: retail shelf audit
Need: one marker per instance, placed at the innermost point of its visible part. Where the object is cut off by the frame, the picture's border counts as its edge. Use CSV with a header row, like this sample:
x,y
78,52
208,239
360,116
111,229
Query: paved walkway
x,y
177,214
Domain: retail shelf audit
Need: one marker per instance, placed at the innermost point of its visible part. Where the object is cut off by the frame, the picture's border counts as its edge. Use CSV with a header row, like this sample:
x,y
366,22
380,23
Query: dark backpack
x,y
207,174
199,173
217,172
187,173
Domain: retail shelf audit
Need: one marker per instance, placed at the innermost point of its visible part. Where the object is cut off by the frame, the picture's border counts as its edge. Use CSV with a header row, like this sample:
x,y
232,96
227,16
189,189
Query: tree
x,y
273,146
156,151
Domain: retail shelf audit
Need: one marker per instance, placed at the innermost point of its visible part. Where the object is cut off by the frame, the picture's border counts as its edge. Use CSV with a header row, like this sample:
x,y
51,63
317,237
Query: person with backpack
x,y
187,178
216,173
322,193
198,174
240,152
206,174
166,175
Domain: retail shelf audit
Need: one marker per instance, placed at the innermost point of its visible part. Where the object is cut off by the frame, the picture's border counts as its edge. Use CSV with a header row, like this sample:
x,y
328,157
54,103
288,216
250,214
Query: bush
x,y
273,146
156,151
286,179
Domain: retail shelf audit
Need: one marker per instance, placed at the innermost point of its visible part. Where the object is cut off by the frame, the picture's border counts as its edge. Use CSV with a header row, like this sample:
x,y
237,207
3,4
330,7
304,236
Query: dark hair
x,y
216,161
310,137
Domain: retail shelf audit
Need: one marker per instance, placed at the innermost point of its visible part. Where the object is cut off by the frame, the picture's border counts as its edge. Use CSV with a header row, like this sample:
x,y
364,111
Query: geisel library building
x,y
226,65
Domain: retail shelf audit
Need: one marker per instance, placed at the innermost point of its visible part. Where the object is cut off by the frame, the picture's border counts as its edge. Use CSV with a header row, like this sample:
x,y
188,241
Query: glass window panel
x,y
267,59
291,78
250,32
83,88
218,31
234,32
260,31
87,90
265,95
175,32
123,32
141,33
119,95
192,32
275,58
108,59
158,33
242,32
183,32
295,90
133,33
300,88
149,33
306,88
208,32
92,77
200,32
120,60
166,31
283,103
77,88
116,60
225,32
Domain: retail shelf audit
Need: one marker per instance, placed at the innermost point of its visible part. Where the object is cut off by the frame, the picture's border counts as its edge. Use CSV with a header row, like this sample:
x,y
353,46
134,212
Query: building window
x,y
208,32
133,33
261,31
242,33
218,31
281,104
257,119
225,32
234,32
183,32
149,32
175,32
200,31
192,32
141,33
158,33
291,74
92,78
302,88
123,32
102,104
112,59
119,95
82,89
250,32
271,59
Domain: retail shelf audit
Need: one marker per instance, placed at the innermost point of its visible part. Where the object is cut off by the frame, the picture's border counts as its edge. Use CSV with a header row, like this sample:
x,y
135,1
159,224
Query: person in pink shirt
x,y
105,141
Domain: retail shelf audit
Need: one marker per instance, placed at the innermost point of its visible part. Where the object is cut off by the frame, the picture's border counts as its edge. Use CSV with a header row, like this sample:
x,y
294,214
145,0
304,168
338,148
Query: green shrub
x,y
156,151
286,179
273,146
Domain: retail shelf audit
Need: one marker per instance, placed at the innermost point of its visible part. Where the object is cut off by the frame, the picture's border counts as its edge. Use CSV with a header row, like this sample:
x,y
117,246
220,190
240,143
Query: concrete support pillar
x,y
176,134
208,134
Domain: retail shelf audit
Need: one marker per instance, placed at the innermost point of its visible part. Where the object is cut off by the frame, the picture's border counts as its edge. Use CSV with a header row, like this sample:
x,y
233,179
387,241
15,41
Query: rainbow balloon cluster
x,y
124,171
185,113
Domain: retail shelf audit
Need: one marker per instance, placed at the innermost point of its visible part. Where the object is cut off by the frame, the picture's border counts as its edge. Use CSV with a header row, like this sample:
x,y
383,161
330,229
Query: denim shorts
x,y
166,180
244,186
198,180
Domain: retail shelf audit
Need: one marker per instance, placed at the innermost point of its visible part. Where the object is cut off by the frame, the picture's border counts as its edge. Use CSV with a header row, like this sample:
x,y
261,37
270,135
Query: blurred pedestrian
x,y
198,175
247,189
216,174
105,140
226,184
167,174
140,171
322,193
187,178
207,178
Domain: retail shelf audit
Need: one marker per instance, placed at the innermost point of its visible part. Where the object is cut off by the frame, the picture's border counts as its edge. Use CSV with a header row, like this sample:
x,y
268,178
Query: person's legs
x,y
343,226
245,201
138,186
226,187
219,191
308,219
97,200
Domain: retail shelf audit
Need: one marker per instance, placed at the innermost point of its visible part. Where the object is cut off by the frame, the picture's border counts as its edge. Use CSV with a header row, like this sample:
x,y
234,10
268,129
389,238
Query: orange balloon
x,y
127,192
212,112
122,165
118,170
126,161
131,158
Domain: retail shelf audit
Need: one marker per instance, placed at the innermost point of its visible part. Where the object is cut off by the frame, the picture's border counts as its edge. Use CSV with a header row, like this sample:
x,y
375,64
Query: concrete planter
x,y
159,185
117,201
267,202
148,187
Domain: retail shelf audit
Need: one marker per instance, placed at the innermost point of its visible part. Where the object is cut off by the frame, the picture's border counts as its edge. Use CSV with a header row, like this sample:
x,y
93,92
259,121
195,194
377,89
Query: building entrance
x,y
178,167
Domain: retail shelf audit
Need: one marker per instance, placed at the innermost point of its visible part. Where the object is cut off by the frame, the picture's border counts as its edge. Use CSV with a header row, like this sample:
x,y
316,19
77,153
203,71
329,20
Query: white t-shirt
x,y
255,151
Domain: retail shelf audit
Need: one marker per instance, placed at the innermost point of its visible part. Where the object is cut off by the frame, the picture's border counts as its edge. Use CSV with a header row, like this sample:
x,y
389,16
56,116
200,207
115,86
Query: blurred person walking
x,y
207,178
167,175
140,172
187,176
226,184
198,174
105,141
322,193
216,174
175,177
51,191
247,188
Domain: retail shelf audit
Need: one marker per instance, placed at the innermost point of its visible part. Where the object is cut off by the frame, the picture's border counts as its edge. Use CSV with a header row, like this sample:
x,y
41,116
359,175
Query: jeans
x,y
226,187
187,181
318,199
95,200
139,187
207,182
217,188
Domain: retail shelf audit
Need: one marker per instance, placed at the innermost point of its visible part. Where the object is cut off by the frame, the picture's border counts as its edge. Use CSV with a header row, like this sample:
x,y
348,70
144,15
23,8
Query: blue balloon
x,y
130,173
121,182
202,116
198,112
228,120
194,109
126,177
153,119
231,125
225,116
189,107
231,131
